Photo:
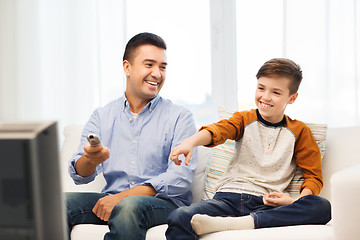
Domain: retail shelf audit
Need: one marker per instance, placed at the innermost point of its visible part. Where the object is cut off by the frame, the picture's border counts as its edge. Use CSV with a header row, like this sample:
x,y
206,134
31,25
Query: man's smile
x,y
153,83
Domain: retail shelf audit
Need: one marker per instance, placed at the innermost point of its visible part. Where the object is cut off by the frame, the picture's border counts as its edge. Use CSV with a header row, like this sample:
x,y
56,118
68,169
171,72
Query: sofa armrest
x,y
345,195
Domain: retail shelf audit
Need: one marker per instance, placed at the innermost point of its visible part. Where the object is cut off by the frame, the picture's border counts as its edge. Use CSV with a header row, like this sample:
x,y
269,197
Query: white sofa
x,y
341,173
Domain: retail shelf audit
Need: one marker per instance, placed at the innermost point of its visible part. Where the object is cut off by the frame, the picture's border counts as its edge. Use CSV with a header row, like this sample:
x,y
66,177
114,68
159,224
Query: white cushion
x,y
89,232
308,232
345,194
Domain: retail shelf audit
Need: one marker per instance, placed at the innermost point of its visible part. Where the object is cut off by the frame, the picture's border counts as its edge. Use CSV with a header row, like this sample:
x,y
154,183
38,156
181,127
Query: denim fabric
x,y
307,210
129,220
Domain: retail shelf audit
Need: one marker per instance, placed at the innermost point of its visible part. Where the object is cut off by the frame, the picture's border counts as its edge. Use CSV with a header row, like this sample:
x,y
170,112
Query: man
x,y
142,185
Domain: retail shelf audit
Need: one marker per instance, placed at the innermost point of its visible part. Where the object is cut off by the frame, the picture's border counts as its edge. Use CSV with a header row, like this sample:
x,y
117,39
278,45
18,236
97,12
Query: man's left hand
x,y
105,205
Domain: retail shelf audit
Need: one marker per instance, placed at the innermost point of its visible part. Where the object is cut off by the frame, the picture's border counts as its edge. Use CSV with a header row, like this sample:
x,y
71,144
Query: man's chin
x,y
150,96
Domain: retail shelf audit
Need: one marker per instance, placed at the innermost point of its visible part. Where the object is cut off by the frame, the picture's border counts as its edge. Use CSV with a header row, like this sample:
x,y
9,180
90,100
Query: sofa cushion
x,y
308,232
223,153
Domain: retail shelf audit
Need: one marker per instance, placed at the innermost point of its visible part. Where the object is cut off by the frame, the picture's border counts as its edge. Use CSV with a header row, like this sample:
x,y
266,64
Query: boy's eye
x,y
148,64
277,93
163,67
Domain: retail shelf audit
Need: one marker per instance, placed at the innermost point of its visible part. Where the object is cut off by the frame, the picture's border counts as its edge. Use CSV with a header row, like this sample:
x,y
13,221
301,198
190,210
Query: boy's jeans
x,y
310,209
129,220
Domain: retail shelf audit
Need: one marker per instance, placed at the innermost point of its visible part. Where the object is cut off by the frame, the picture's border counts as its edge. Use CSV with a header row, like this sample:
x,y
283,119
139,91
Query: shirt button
x,y
132,182
132,162
134,141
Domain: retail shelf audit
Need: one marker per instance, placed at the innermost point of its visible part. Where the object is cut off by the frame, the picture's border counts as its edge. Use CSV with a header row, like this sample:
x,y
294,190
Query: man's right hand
x,y
96,155
93,156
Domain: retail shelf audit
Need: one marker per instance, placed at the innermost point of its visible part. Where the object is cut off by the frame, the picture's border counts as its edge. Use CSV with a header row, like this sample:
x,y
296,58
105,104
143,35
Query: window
x,y
185,27
321,36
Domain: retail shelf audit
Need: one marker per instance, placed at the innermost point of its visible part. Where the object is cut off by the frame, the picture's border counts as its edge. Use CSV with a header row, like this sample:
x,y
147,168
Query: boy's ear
x,y
293,98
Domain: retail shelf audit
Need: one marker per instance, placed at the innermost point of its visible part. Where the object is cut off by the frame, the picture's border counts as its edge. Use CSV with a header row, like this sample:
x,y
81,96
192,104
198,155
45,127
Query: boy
x,y
269,147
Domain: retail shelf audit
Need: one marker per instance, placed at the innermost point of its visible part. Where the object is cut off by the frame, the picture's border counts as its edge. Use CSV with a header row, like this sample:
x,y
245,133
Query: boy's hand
x,y
184,148
276,199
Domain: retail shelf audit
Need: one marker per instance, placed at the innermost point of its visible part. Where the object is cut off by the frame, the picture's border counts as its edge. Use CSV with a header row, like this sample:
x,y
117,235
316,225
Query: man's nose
x,y
156,73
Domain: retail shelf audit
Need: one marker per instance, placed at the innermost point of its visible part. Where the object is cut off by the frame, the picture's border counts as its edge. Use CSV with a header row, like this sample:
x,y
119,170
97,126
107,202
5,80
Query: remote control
x,y
93,140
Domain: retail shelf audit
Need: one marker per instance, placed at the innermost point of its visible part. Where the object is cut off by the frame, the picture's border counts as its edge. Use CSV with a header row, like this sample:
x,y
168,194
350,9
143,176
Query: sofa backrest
x,y
341,152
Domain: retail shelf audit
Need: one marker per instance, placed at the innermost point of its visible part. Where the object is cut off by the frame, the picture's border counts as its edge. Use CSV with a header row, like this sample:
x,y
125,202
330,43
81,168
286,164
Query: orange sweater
x,y
267,154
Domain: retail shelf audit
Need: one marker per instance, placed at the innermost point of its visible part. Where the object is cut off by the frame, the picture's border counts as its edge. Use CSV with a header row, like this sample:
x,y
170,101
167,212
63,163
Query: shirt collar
x,y
279,124
151,105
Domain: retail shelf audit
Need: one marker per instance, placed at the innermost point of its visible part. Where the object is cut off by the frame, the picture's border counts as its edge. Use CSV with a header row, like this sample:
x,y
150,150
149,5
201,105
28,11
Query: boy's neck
x,y
278,124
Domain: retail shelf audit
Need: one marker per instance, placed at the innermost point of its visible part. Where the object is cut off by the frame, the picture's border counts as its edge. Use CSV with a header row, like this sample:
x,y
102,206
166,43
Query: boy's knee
x,y
182,214
319,206
318,202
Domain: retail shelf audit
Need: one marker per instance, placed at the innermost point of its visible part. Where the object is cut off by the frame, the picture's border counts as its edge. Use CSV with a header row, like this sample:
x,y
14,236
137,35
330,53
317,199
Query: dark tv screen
x,y
31,199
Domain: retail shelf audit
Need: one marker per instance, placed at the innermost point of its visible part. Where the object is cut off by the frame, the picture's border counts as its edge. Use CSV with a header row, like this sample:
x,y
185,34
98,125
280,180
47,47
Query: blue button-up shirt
x,y
140,148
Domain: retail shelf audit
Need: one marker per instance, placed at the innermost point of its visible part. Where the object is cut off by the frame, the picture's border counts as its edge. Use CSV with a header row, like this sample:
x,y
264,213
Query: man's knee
x,y
129,208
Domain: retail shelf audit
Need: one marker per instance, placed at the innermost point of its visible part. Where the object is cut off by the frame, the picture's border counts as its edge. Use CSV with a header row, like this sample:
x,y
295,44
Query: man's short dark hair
x,y
140,39
282,67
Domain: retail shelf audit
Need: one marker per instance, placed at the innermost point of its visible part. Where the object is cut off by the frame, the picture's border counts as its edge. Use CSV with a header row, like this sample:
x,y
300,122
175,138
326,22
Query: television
x,y
31,199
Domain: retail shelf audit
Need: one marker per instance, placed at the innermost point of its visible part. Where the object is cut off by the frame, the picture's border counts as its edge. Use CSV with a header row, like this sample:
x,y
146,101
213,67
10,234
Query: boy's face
x,y
272,96
146,73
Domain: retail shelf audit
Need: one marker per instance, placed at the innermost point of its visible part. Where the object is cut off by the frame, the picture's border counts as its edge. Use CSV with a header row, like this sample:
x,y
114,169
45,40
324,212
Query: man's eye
x,y
163,67
148,64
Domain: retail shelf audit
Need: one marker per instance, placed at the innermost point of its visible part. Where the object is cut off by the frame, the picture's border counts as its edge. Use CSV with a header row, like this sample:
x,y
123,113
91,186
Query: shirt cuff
x,y
79,179
159,186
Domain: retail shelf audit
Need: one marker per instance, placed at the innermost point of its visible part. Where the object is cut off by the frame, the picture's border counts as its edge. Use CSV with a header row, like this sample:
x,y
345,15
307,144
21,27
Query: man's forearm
x,y
84,168
146,190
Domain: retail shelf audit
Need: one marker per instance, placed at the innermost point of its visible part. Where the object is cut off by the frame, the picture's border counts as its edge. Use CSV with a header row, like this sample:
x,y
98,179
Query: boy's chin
x,y
265,112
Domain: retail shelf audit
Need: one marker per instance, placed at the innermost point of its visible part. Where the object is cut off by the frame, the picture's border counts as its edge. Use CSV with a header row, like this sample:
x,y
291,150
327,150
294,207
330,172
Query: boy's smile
x,y
272,96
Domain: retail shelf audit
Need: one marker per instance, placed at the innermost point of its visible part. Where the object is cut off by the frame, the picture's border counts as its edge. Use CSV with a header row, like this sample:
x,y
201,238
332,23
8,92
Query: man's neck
x,y
136,105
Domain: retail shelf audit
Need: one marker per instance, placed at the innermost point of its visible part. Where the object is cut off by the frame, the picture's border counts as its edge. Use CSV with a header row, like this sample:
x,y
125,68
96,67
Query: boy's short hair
x,y
140,39
282,67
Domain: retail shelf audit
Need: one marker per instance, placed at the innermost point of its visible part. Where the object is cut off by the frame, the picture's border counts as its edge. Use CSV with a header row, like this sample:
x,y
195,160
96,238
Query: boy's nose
x,y
267,96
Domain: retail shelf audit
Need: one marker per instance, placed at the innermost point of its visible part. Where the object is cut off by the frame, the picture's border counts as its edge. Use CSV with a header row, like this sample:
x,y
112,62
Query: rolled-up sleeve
x,y
176,181
232,128
91,126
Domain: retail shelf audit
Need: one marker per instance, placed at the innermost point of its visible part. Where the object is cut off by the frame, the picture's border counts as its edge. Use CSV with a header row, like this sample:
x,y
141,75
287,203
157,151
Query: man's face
x,y
146,72
272,96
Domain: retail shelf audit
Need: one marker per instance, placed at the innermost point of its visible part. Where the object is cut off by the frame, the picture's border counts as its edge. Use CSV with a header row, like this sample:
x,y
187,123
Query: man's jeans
x,y
310,209
129,220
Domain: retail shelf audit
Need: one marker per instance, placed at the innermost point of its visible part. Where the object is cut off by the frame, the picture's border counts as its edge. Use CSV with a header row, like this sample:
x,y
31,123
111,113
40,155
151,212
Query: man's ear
x,y
293,98
126,66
